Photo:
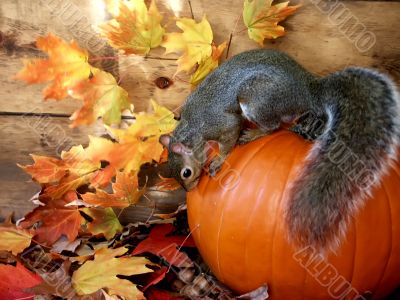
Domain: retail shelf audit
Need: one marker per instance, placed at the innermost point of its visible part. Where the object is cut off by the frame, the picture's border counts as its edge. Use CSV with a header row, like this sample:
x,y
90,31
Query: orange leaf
x,y
55,219
262,19
135,29
45,169
67,64
102,97
126,192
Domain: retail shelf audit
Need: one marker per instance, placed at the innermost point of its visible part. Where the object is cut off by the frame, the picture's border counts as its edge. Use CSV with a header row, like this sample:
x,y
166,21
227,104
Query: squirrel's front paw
x,y
249,135
215,165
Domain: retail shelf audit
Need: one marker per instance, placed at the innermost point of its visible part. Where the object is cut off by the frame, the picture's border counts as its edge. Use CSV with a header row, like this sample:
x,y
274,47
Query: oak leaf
x,y
135,29
102,272
261,19
195,42
162,243
66,65
104,222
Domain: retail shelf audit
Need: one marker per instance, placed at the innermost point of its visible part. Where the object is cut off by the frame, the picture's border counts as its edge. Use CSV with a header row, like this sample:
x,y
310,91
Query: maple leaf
x,y
55,219
136,145
14,280
262,19
157,294
13,238
104,222
103,270
195,42
126,192
162,244
64,290
135,29
102,97
45,169
74,162
67,64
208,65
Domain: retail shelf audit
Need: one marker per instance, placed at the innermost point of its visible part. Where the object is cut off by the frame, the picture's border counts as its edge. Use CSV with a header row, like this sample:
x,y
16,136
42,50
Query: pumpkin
x,y
238,225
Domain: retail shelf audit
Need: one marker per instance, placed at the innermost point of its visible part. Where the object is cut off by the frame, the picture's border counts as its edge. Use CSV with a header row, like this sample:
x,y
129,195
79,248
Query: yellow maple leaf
x,y
135,29
195,42
134,146
67,64
102,272
262,19
14,239
102,97
208,65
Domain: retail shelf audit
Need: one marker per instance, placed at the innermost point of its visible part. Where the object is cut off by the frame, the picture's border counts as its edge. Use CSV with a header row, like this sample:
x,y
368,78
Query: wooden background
x,y
323,42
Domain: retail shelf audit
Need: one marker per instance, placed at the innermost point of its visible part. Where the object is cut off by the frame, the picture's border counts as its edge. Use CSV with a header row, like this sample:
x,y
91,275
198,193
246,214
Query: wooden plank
x,y
313,37
23,135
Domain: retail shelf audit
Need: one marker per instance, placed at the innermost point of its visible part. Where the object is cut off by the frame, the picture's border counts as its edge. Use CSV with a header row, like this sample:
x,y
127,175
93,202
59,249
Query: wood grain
x,y
317,39
23,135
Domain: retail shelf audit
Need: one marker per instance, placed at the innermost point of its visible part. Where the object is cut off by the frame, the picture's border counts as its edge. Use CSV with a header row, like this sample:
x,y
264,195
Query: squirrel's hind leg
x,y
252,134
310,125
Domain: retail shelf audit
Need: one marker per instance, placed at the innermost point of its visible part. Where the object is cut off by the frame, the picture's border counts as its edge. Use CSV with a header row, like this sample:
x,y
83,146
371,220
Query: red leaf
x,y
156,294
56,220
13,280
160,244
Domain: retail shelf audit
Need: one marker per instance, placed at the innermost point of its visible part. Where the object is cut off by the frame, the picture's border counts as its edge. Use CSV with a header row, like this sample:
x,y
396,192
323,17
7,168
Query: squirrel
x,y
359,115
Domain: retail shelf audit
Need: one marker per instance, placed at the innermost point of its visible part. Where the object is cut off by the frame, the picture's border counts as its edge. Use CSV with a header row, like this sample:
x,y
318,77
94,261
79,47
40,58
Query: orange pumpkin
x,y
238,225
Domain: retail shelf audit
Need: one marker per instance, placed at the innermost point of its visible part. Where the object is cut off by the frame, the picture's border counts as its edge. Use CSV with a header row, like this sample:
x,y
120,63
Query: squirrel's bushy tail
x,y
359,143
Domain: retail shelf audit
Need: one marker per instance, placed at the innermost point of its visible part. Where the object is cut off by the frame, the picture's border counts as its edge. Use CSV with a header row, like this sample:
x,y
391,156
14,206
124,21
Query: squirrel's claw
x,y
249,135
215,165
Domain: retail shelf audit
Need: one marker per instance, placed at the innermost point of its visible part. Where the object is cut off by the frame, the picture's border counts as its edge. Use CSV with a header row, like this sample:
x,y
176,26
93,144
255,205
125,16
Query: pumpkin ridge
x,y
254,208
284,191
271,138
391,236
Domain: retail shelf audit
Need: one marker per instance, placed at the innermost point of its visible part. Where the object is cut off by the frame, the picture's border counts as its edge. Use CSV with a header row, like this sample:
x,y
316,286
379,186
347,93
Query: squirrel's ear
x,y
181,149
165,139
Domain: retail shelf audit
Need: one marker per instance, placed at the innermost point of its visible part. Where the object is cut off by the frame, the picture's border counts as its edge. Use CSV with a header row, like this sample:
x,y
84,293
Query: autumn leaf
x,y
55,220
136,145
64,290
161,243
157,294
103,270
208,65
102,97
66,65
167,184
45,169
14,239
126,192
74,163
261,19
14,280
195,42
135,29
104,222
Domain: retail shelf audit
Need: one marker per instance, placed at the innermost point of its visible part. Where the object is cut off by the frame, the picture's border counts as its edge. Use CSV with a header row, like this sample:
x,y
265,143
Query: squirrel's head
x,y
185,164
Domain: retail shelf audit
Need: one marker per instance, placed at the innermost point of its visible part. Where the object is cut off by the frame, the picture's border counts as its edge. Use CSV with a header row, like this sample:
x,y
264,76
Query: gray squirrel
x,y
360,112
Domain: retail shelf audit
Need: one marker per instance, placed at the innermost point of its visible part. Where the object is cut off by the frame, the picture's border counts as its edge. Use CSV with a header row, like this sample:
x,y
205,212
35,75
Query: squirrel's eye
x,y
186,173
